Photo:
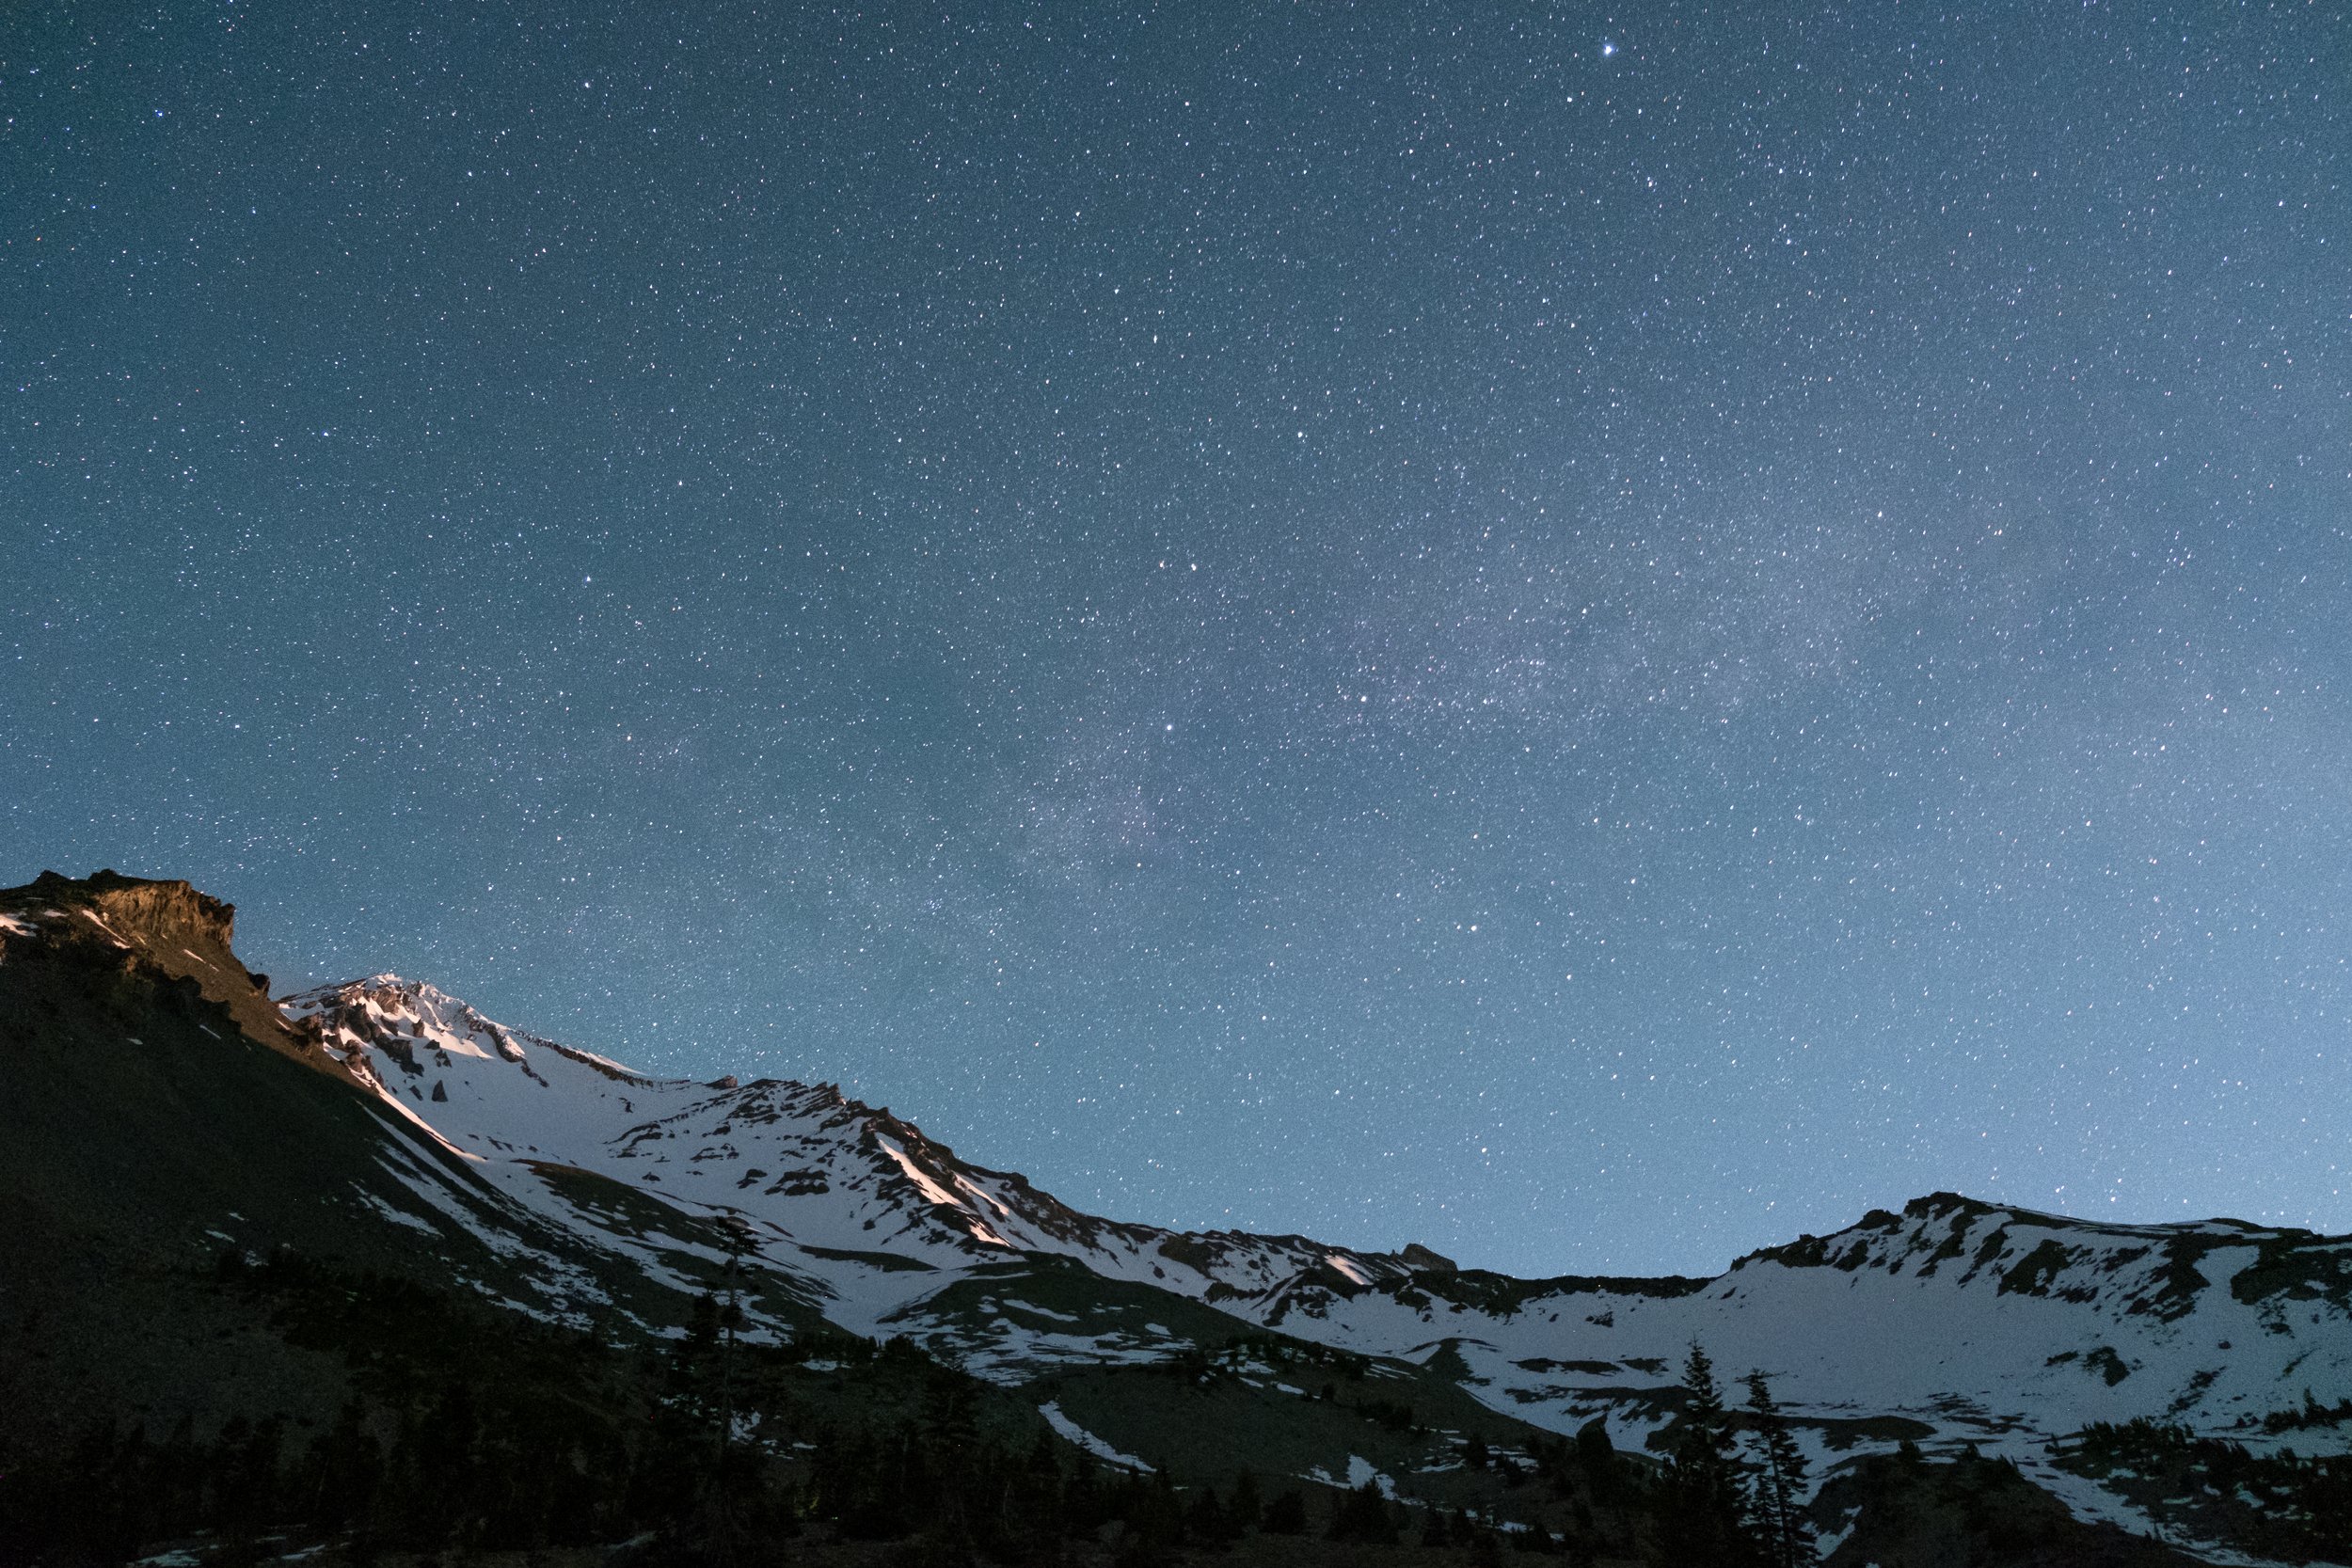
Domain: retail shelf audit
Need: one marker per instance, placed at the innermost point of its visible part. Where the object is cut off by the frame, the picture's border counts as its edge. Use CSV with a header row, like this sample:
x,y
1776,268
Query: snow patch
x,y
1072,1431
382,1209
95,919
916,1174
1360,1470
938,1194
1045,1312
1004,1210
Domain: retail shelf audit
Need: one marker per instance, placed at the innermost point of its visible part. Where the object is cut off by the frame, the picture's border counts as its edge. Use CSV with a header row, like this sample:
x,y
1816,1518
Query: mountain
x,y
1980,1323
164,1122
799,1161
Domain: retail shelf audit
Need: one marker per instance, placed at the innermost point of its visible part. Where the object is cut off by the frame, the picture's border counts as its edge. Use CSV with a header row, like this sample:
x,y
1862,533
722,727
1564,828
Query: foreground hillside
x,y
343,1248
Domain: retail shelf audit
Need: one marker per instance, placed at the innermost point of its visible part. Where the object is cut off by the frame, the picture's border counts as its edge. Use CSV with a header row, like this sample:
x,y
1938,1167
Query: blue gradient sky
x,y
1334,620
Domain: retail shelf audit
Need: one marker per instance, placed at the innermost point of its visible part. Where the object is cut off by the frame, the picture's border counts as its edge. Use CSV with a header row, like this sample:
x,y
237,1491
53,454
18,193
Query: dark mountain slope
x,y
158,1114
1966,1513
369,1220
166,929
223,1243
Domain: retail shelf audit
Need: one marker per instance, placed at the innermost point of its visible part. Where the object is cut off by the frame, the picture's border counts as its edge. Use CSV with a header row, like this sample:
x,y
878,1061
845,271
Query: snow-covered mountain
x,y
1964,1320
1957,1324
565,1185
798,1157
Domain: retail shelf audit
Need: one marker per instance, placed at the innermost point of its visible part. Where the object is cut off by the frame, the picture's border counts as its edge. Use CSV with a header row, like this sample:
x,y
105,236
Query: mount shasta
x,y
159,1110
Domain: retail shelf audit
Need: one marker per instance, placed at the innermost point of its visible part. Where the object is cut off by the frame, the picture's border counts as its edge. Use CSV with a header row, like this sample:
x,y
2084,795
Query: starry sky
x,y
1590,638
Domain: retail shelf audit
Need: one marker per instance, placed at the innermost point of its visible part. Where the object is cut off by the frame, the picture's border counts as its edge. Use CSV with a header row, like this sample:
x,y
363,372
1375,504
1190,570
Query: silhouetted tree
x,y
1247,1509
1362,1515
1702,1506
1206,1521
1286,1514
1787,1535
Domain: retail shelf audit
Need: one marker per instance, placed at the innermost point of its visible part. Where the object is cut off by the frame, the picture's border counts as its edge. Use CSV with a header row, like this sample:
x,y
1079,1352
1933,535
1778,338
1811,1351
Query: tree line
x,y
470,1429
1731,1496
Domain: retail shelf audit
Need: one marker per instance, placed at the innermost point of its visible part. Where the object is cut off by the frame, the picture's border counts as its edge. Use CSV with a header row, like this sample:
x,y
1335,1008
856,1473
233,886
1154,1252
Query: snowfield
x,y
1954,1322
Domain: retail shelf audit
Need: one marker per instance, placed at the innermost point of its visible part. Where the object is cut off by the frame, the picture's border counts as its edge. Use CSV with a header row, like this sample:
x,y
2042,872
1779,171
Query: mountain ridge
x,y
573,1189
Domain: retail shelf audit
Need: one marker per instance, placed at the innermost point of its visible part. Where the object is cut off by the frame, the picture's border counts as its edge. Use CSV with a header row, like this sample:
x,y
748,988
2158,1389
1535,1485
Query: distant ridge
x,y
156,1106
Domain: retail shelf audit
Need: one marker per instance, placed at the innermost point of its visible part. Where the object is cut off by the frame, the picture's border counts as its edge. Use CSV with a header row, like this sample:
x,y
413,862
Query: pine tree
x,y
1206,1522
1780,1479
1702,1508
1286,1514
343,1470
1083,1504
1247,1508
1362,1514
1597,1456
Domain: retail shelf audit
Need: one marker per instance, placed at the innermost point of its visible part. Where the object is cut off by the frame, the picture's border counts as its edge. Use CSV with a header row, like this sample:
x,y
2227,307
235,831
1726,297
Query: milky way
x,y
1594,640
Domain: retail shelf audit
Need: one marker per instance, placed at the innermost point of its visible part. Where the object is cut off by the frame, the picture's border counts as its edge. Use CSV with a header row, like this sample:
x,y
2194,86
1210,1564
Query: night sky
x,y
1589,639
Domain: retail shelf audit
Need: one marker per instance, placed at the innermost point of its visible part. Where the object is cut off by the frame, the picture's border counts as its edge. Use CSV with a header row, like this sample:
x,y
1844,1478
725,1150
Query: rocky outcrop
x,y
160,925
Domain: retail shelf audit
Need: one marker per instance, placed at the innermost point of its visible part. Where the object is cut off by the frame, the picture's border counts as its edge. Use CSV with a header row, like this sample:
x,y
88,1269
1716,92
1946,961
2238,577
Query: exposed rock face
x,y
108,919
171,909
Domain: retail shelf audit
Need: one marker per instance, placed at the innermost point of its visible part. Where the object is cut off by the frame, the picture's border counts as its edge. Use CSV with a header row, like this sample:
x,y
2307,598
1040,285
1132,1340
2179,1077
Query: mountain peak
x,y
389,1012
153,909
142,924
